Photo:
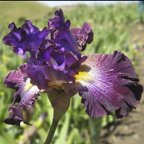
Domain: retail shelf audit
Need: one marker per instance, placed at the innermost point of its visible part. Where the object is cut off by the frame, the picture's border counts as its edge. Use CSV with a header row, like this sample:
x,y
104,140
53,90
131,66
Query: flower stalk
x,y
51,131
60,103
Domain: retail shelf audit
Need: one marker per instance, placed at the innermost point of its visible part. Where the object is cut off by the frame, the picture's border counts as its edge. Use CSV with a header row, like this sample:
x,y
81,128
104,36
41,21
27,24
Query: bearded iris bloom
x,y
107,83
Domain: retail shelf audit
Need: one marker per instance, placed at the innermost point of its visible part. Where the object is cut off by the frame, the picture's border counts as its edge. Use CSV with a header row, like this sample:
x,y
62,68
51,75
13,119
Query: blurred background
x,y
116,26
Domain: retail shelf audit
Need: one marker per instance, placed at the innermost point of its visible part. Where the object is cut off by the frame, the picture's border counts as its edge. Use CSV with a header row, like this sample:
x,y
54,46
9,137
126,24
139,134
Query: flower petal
x,y
15,79
15,117
83,36
25,38
24,97
58,21
110,84
61,34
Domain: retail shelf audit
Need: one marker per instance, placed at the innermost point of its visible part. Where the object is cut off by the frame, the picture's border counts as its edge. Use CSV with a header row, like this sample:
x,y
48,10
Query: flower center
x,y
56,84
83,76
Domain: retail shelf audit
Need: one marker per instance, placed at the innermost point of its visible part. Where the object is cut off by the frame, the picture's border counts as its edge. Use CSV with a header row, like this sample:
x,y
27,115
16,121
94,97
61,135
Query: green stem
x,y
52,131
60,102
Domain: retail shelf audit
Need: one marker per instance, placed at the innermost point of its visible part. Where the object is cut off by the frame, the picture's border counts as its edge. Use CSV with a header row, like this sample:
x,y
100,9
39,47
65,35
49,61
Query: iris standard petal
x,y
61,34
110,84
83,36
25,38
72,40
57,21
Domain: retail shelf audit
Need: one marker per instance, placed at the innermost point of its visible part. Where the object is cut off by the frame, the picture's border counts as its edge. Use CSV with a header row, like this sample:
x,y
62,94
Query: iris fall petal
x,y
112,85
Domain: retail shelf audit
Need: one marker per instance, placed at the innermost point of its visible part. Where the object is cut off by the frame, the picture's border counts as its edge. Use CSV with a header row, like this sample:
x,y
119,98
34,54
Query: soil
x,y
129,130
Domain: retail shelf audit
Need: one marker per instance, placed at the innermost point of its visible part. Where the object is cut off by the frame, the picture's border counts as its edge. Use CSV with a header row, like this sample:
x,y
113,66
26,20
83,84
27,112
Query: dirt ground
x,y
128,130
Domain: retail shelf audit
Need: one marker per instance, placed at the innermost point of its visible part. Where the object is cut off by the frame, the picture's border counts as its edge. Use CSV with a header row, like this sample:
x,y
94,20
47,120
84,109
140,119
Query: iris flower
x,y
107,83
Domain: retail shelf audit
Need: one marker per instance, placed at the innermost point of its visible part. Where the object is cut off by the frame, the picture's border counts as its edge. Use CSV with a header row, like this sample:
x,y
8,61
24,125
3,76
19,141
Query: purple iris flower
x,y
107,83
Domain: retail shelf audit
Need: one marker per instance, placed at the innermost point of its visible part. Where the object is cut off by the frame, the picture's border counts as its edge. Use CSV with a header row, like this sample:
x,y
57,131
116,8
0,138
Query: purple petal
x,y
26,94
58,58
26,38
24,97
58,21
64,38
83,36
61,34
15,117
15,79
111,83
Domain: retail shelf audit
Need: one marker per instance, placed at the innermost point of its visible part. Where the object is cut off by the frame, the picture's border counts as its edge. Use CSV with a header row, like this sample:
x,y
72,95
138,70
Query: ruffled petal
x,y
58,21
58,58
83,36
15,79
25,38
73,40
15,117
61,34
24,97
109,84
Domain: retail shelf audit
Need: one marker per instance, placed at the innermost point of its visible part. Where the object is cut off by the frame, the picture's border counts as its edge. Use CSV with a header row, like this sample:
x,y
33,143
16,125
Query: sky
x,y
59,3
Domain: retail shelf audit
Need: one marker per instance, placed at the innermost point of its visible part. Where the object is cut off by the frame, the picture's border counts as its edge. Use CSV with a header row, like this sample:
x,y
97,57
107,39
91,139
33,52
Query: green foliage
x,y
111,25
